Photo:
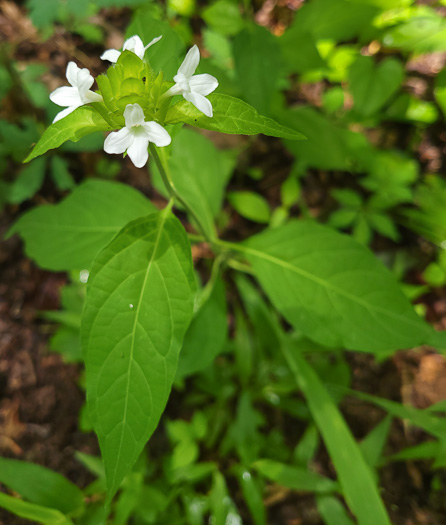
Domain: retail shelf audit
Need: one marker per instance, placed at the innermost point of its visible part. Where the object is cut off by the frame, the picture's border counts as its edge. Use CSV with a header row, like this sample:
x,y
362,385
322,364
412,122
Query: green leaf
x,y
408,108
290,192
43,14
30,511
383,225
244,349
200,173
244,434
295,478
128,499
232,116
338,20
250,205
333,289
436,426
252,494
373,85
68,235
265,322
61,175
391,175
206,335
257,60
349,198
422,33
343,149
308,58
224,17
220,502
81,122
164,55
307,446
332,511
40,485
141,288
426,450
354,475
28,182
343,218
440,90
373,444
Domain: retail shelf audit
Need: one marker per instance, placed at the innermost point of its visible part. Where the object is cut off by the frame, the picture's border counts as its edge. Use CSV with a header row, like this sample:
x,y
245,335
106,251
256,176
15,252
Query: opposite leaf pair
x,y
136,135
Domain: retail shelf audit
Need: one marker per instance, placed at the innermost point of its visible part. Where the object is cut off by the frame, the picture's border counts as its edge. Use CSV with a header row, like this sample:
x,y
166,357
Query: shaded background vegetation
x,y
365,81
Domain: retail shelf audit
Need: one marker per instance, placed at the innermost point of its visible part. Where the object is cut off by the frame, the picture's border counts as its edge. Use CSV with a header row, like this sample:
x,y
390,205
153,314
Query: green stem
x,y
168,207
223,247
239,266
207,290
171,189
102,109
193,237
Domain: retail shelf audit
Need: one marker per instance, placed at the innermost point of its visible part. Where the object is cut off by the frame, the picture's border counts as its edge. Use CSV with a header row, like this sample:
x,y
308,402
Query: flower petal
x,y
174,90
84,81
66,96
190,63
203,84
64,113
200,102
72,70
134,44
138,150
118,141
157,134
91,96
133,115
111,55
154,41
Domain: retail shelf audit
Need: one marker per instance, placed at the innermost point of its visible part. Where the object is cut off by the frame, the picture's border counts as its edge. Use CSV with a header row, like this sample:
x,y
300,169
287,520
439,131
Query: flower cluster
x,y
136,135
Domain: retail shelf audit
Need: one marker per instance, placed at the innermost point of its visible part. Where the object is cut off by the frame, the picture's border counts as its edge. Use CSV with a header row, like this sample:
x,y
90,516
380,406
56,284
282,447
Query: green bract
x,y
132,81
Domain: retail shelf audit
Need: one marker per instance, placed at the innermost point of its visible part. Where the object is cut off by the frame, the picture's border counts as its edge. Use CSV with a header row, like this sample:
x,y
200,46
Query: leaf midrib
x,y
321,282
132,344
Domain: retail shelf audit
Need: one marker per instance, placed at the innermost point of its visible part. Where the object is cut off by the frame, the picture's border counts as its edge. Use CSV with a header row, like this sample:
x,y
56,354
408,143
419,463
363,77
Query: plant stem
x,y
193,237
223,247
207,290
239,266
170,187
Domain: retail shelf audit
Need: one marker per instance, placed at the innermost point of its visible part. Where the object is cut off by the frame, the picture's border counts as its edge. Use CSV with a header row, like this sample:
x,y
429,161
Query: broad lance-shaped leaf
x,y
68,236
139,304
232,116
76,125
333,289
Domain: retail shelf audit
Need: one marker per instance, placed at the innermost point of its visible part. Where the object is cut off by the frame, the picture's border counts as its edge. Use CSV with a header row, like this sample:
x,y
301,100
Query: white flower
x,y
78,94
134,44
136,135
194,88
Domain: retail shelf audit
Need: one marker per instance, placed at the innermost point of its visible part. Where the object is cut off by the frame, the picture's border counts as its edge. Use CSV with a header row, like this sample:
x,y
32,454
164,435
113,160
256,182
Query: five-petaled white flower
x,y
136,135
78,94
194,88
134,44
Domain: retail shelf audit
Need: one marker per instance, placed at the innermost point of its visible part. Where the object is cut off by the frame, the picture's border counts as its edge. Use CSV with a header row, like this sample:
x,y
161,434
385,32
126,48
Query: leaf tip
x,y
30,157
